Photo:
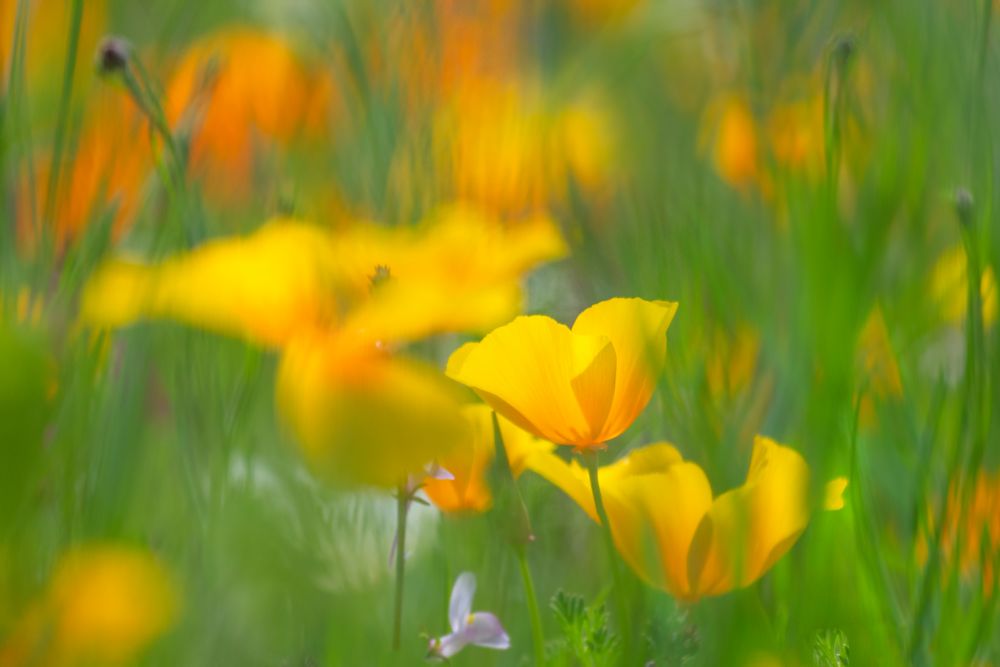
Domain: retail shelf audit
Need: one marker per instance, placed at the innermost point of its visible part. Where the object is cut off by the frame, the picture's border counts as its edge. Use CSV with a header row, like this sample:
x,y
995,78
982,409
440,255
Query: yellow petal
x,y
520,445
593,380
654,501
459,270
670,504
748,529
364,417
118,294
523,370
267,287
467,464
568,476
833,495
637,330
108,603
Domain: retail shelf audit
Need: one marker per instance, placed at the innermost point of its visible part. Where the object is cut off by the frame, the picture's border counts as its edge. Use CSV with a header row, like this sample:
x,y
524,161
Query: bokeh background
x,y
816,183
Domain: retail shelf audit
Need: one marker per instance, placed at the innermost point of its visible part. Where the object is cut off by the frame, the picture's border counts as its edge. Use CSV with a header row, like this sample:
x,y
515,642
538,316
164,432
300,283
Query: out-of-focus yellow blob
x,y
268,287
514,154
47,27
949,288
240,92
103,176
468,491
734,149
457,271
581,386
104,606
671,531
364,417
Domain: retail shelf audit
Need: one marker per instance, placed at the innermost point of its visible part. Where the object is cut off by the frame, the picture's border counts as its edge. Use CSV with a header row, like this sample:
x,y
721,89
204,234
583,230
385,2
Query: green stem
x,y
402,505
537,634
625,629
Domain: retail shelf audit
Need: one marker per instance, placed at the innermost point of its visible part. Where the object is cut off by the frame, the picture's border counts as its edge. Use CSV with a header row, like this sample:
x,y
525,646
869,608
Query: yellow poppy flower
x,y
238,91
513,152
362,416
457,271
266,287
669,529
104,605
581,386
468,491
734,141
949,290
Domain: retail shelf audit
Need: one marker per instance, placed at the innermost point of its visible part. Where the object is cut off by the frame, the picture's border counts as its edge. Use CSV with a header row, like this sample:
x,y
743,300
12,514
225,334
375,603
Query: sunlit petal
x,y
365,417
748,529
637,329
523,370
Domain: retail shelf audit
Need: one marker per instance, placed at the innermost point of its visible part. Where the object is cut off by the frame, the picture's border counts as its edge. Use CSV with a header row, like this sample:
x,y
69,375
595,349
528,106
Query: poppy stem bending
x,y
537,634
402,505
624,623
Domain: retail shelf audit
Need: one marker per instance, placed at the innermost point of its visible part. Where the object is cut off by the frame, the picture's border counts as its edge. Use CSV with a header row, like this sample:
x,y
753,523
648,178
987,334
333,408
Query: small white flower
x,y
480,628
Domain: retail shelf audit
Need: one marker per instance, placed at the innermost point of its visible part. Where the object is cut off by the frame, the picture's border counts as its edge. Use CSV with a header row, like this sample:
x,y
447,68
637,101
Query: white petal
x,y
461,601
484,629
449,645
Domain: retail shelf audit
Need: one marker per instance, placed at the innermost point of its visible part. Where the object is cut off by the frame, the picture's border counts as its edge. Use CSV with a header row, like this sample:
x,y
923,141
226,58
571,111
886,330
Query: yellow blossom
x,y
266,287
581,386
468,491
362,416
671,531
949,288
456,271
237,92
104,605
734,142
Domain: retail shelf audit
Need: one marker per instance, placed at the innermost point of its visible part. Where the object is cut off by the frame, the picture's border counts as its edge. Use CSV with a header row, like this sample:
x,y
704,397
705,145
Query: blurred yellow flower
x,y
362,416
104,606
669,529
734,140
514,154
949,288
47,26
582,386
267,287
457,271
104,175
468,491
240,92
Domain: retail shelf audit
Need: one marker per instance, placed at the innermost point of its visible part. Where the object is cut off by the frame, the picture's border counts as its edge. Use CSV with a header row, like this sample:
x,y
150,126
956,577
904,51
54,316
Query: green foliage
x,y
830,649
586,638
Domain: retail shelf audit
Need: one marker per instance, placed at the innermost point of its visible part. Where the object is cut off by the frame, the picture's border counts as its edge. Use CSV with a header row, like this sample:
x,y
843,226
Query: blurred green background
x,y
815,182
